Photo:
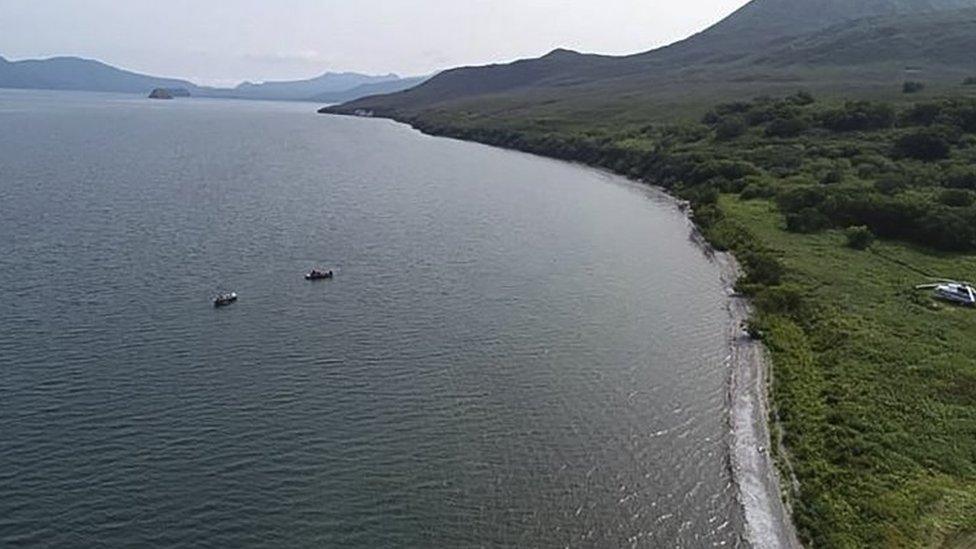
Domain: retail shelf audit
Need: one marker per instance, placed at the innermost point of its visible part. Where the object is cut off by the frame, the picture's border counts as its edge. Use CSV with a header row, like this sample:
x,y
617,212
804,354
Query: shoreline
x,y
767,518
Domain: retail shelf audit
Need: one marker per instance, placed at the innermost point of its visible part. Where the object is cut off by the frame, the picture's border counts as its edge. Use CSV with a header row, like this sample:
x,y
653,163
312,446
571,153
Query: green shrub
x,y
807,220
946,230
778,157
832,177
921,174
970,81
700,195
796,198
927,145
922,114
706,216
959,113
758,187
859,238
965,118
859,116
956,198
730,128
891,184
960,177
728,235
912,87
728,170
801,98
762,267
784,300
733,107
870,166
786,127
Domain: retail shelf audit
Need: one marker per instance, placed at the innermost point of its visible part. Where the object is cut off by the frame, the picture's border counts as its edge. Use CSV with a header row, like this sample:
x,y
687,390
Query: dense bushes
x,y
762,267
786,127
757,186
952,114
876,184
956,198
807,220
912,87
921,114
804,156
782,117
859,116
859,238
945,221
925,144
730,128
960,177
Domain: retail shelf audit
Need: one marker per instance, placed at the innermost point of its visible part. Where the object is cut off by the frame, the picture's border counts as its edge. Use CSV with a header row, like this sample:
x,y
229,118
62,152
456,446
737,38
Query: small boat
x,y
316,274
222,300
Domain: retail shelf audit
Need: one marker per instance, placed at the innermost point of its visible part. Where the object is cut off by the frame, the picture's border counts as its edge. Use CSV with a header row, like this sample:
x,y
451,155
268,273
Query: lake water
x,y
515,351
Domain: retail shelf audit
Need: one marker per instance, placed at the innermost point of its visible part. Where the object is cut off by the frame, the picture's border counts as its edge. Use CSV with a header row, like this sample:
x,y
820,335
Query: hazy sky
x,y
226,41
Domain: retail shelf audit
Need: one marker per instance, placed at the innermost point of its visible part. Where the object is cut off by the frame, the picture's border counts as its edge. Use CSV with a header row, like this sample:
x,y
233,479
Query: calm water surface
x,y
515,352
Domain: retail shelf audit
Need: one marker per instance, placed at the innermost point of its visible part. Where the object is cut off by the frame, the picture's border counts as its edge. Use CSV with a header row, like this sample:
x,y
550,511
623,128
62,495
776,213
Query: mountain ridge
x,y
737,49
365,90
77,73
72,73
305,89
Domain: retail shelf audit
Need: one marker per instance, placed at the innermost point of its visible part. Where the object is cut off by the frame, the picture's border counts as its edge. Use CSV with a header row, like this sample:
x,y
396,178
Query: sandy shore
x,y
768,521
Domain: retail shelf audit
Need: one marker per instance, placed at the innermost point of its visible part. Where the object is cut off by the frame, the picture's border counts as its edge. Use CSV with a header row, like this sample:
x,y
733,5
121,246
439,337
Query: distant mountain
x,y
363,90
73,73
764,46
302,90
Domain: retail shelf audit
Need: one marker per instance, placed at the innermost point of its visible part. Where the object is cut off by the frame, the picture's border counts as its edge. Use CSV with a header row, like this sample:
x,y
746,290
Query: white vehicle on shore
x,y
961,293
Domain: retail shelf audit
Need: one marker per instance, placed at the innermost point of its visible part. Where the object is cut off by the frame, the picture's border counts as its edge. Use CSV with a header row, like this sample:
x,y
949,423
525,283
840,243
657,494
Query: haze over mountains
x,y
72,73
767,46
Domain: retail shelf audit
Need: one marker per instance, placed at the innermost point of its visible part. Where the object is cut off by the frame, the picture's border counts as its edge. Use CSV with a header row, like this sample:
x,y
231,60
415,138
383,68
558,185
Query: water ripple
x,y
516,352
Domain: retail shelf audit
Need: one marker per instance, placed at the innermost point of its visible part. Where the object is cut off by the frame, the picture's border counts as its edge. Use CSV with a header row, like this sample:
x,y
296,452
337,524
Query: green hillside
x,y
833,47
923,42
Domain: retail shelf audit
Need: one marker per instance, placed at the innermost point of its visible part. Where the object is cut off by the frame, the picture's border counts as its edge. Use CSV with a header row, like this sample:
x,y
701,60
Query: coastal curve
x,y
768,522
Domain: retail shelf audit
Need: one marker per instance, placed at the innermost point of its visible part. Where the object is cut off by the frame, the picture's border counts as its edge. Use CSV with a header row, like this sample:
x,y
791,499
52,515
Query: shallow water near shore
x,y
514,351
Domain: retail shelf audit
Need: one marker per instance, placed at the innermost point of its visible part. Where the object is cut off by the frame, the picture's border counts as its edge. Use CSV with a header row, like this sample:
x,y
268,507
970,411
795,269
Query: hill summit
x,y
779,18
764,47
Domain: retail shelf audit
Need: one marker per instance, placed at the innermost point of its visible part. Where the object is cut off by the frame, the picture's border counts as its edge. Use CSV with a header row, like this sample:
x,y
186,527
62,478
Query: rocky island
x,y
169,93
160,93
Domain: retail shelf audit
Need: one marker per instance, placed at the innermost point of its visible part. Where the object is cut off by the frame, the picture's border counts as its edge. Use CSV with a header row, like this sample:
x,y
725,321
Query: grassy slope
x,y
875,382
732,60
876,387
